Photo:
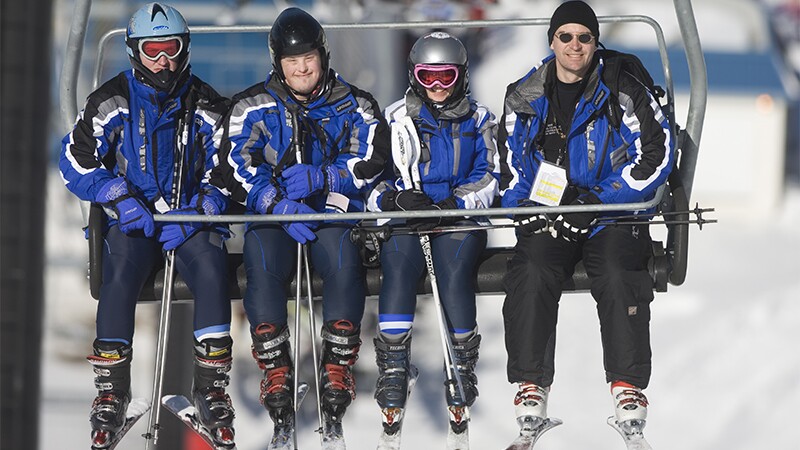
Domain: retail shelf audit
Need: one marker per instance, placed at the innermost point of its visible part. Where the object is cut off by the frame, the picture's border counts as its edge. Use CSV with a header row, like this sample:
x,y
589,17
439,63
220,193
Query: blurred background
x,y
724,374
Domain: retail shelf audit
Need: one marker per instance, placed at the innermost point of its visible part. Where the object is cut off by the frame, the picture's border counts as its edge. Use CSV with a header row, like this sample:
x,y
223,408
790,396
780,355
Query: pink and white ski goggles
x,y
430,75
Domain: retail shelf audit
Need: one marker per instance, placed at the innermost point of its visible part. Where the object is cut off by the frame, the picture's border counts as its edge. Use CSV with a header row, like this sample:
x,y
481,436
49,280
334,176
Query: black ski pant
x,y
615,259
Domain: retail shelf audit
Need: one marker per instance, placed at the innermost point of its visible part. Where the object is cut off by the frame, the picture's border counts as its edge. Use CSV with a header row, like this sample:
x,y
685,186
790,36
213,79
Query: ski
x,y
184,410
332,434
103,440
631,432
531,429
392,418
283,435
458,431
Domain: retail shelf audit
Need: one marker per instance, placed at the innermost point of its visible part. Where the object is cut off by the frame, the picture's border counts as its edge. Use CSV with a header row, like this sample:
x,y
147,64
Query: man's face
x,y
302,72
572,58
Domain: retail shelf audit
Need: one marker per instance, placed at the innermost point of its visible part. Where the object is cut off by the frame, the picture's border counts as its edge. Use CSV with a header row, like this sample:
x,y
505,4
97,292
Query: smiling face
x,y
573,59
438,95
302,72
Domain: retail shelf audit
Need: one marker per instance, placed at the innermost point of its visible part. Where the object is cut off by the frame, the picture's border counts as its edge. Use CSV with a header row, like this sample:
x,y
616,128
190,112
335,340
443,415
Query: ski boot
x,y
112,367
630,406
630,414
531,401
530,406
212,362
273,355
340,345
394,372
466,357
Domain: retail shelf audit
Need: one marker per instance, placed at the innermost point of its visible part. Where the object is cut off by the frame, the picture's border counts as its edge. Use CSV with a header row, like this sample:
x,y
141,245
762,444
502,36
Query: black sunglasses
x,y
583,38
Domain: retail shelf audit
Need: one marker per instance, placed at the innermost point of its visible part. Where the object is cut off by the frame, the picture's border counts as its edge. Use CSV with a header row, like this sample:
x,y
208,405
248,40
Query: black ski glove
x,y
429,223
575,226
530,224
407,200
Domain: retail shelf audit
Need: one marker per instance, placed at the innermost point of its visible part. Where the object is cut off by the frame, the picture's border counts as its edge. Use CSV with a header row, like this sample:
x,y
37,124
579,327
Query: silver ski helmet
x,y
295,32
154,30
439,49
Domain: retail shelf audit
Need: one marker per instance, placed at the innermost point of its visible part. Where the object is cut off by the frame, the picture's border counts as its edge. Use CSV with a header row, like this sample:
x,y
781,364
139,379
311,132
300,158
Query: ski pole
x,y
296,382
699,221
312,324
409,170
303,260
166,297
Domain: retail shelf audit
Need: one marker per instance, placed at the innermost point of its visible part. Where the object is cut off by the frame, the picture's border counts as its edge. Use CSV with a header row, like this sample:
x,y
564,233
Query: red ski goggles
x,y
153,48
429,75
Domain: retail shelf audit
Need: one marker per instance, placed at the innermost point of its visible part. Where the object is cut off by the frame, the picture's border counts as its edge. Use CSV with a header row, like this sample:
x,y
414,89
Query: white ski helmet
x,y
153,25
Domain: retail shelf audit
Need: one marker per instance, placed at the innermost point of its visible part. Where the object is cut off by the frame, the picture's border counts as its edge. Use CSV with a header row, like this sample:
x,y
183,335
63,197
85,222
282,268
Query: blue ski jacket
x,y
342,128
129,129
618,164
458,156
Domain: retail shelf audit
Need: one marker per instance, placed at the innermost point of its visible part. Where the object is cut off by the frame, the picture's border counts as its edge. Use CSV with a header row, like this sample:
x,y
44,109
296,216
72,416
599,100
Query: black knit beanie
x,y
573,12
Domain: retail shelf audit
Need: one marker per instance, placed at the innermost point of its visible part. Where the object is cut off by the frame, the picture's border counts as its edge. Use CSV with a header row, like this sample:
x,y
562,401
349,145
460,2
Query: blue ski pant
x,y
455,260
270,258
128,261
616,262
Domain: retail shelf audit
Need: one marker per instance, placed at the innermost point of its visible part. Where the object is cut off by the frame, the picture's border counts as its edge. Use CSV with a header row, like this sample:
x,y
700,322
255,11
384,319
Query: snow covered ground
x,y
725,376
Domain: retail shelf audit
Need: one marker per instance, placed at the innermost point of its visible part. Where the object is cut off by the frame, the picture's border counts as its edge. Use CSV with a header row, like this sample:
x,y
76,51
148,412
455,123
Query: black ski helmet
x,y
439,48
295,32
157,20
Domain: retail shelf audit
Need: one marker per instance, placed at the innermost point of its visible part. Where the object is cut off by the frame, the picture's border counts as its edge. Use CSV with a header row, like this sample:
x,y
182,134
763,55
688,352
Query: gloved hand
x,y
575,226
266,200
407,200
303,180
299,231
207,204
173,234
132,213
429,223
528,225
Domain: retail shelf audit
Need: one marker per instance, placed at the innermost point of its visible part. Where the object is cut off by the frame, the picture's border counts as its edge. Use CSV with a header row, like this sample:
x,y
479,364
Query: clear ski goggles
x,y
430,75
583,38
153,48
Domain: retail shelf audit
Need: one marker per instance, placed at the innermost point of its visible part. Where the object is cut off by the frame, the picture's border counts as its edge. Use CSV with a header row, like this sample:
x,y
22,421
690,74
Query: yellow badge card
x,y
549,185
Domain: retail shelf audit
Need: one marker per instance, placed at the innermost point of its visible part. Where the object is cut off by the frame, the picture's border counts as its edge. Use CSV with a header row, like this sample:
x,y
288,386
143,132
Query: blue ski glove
x,y
132,214
574,227
299,231
266,200
173,234
303,180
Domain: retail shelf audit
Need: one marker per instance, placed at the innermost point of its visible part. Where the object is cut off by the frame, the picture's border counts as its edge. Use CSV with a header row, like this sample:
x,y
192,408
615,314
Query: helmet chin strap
x,y
162,81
